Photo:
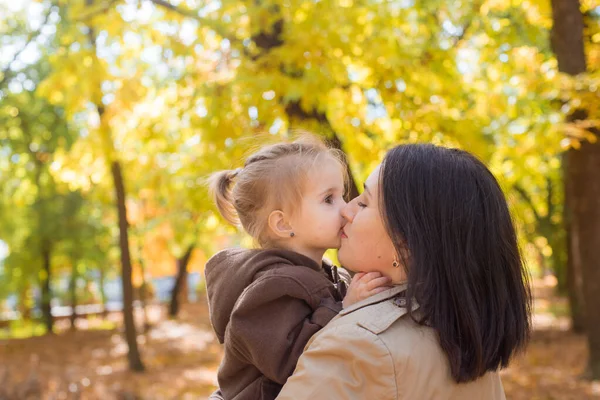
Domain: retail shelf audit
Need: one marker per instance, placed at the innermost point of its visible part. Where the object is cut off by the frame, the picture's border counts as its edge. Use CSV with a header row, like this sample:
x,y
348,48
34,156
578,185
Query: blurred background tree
x,y
115,111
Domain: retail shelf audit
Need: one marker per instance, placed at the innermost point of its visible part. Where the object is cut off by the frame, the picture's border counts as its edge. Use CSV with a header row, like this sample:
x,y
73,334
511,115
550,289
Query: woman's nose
x,y
348,211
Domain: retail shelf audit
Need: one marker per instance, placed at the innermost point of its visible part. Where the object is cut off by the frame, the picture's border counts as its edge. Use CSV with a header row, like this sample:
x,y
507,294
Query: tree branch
x,y
191,14
467,26
549,200
525,196
99,11
169,6
30,38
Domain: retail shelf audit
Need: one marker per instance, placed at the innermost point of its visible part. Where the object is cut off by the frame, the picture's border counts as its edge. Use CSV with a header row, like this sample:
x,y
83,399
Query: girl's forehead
x,y
325,175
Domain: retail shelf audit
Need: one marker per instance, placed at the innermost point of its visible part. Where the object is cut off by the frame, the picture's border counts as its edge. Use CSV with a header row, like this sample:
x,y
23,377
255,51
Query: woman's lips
x,y
344,236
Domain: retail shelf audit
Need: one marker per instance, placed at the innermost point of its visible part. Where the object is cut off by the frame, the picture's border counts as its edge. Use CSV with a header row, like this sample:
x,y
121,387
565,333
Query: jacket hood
x,y
229,272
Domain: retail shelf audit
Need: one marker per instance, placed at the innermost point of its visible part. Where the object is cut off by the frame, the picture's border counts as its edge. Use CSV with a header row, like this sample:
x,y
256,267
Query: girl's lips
x,y
344,236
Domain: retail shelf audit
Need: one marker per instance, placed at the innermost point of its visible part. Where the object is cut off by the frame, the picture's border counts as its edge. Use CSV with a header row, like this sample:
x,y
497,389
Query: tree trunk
x,y
180,282
584,166
135,362
575,289
352,189
567,36
102,279
144,292
46,288
23,305
541,263
560,258
45,246
573,273
73,290
133,356
582,184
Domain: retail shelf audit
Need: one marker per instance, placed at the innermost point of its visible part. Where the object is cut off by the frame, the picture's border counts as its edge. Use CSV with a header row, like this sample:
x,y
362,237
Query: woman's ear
x,y
279,224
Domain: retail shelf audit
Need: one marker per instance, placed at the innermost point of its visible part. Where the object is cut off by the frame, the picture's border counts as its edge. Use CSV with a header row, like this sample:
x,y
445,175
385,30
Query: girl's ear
x,y
279,224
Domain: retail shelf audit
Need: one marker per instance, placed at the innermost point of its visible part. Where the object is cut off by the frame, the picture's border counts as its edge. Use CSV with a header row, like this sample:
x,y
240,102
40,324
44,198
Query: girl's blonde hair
x,y
273,178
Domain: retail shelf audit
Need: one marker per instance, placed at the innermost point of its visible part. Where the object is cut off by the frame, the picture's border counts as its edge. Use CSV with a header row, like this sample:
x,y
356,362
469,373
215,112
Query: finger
x,y
371,275
379,290
358,276
377,282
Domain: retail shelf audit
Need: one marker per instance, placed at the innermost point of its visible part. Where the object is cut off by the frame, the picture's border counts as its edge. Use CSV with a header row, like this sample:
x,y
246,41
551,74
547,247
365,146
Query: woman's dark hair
x,y
449,220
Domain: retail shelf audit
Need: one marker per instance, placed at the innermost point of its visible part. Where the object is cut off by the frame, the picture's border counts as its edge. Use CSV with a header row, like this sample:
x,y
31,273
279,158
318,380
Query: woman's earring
x,y
292,234
396,263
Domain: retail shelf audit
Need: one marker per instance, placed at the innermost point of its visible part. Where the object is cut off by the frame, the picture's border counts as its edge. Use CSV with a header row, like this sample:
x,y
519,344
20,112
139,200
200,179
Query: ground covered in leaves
x,y
181,358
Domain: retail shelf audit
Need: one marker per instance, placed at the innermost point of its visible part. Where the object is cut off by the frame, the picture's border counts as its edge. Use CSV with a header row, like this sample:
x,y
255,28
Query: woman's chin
x,y
345,262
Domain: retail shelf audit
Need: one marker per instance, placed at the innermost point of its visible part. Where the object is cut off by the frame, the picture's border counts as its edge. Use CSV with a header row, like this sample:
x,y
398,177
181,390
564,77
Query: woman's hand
x,y
365,285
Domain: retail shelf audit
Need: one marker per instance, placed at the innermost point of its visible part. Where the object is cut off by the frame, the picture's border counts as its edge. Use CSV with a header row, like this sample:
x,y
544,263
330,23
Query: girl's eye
x,y
329,199
361,205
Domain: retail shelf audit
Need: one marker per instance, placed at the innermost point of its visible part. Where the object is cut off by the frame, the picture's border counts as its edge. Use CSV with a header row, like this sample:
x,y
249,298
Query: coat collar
x,y
377,298
388,307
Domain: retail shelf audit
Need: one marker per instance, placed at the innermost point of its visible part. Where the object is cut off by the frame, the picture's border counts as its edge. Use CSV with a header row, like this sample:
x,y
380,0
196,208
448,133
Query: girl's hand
x,y
365,285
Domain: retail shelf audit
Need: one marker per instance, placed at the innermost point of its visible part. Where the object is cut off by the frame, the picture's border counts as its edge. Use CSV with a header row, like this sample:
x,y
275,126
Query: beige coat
x,y
373,351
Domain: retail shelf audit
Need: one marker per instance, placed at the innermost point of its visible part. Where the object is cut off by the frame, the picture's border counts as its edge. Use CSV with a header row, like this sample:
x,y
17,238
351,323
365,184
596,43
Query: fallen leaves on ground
x,y
181,357
551,369
554,364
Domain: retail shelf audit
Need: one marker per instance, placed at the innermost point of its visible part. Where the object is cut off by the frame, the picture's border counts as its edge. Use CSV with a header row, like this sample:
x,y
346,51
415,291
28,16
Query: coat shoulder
x,y
390,323
376,318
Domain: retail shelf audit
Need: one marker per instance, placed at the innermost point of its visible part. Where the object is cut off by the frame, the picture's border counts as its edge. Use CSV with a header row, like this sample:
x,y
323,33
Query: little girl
x,y
266,303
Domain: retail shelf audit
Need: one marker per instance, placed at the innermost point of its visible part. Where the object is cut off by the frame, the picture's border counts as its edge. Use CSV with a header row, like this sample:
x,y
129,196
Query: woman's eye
x,y
361,205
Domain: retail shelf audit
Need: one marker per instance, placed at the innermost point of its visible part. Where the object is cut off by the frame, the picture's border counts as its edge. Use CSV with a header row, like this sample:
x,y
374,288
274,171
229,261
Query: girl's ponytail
x,y
220,187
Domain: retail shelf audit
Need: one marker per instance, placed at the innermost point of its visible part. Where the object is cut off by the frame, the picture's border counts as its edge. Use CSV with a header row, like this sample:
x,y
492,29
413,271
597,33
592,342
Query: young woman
x,y
436,222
